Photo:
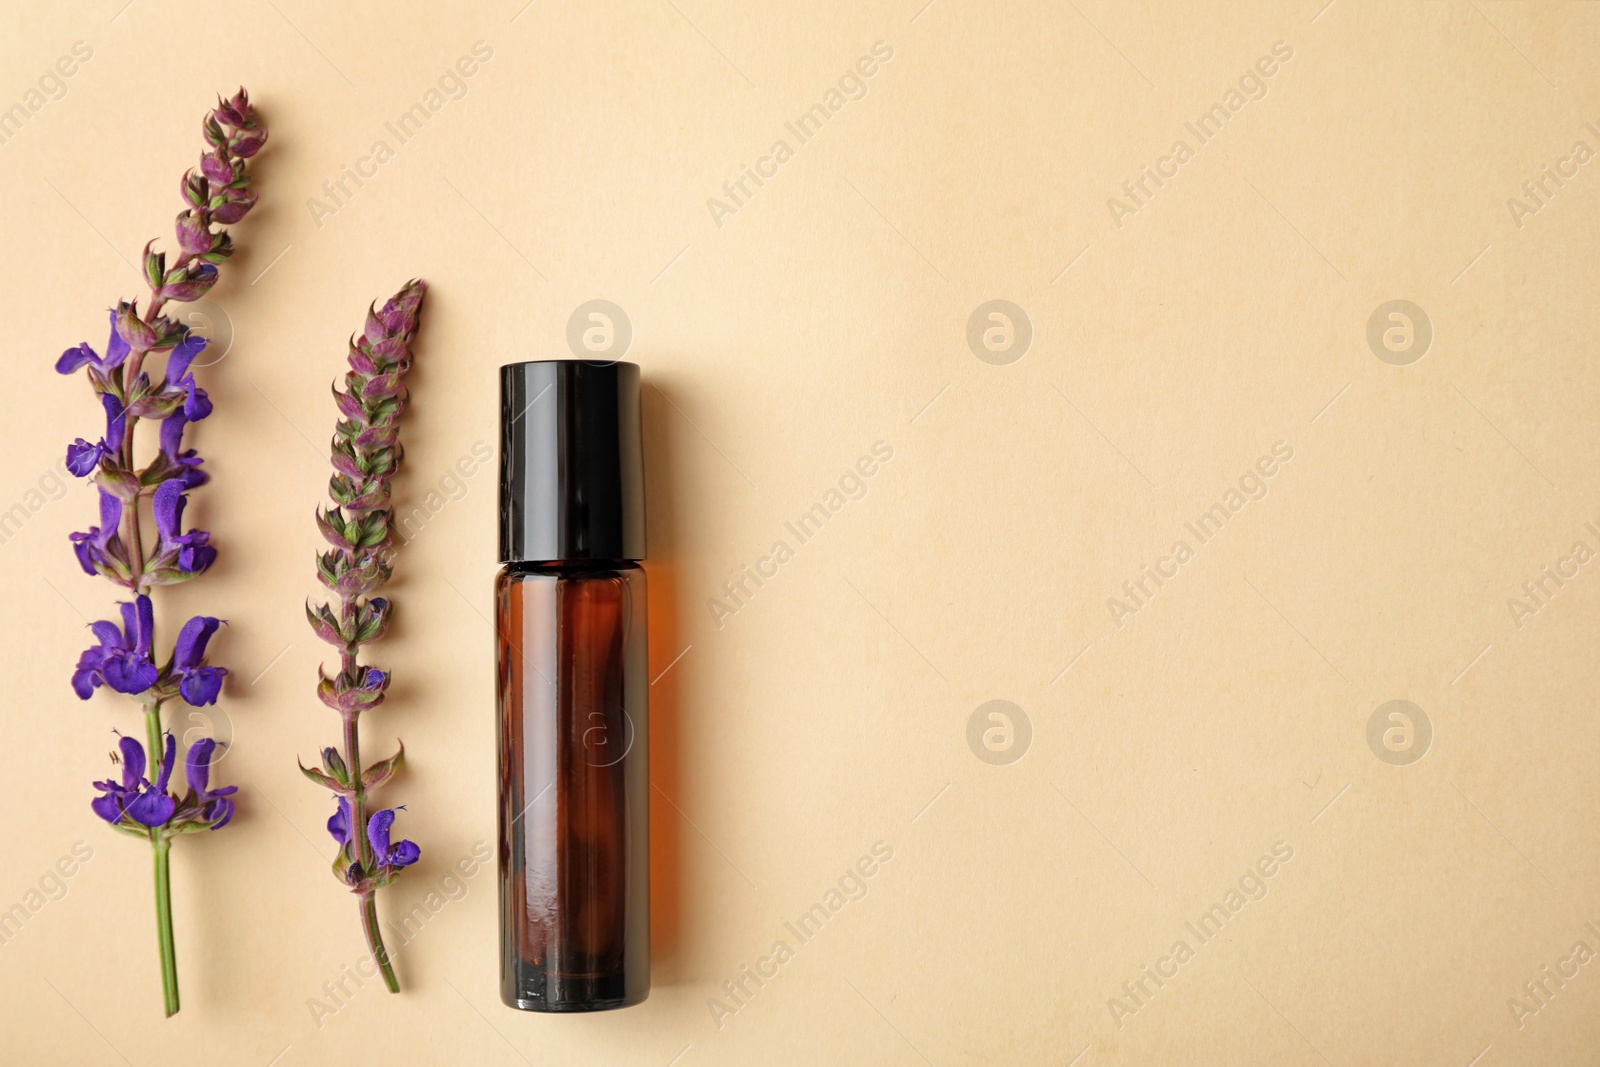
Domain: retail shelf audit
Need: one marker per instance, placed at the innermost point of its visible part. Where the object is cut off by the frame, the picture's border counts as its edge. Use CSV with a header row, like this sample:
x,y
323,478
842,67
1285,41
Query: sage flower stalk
x,y
121,549
366,455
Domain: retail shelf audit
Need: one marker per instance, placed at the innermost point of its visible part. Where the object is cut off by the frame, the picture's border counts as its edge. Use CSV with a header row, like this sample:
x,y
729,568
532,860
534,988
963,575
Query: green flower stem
x,y
169,952
380,955
358,830
358,795
152,733
162,847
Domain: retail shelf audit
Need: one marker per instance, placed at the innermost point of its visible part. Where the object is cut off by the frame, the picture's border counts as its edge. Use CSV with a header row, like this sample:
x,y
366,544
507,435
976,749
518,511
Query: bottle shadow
x,y
661,442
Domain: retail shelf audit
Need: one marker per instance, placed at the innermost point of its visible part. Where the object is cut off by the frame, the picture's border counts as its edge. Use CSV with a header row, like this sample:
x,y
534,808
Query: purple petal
x,y
110,515
116,422
85,680
197,764
116,348
90,547
197,557
74,358
87,675
405,854
171,444
378,832
151,808
192,475
109,636
172,434
129,672
132,762
130,626
202,685
339,822
108,807
168,756
82,457
167,506
374,679
198,405
183,355
190,648
220,809
146,618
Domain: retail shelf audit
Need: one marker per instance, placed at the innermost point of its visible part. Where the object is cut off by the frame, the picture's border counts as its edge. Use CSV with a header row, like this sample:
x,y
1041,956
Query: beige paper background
x,y
830,712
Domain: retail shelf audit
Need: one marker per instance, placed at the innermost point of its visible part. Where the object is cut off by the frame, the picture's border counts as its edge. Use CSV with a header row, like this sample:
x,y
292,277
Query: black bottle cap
x,y
571,462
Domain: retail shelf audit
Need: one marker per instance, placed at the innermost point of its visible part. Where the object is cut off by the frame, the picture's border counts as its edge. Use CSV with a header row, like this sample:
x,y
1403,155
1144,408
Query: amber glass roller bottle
x,y
572,686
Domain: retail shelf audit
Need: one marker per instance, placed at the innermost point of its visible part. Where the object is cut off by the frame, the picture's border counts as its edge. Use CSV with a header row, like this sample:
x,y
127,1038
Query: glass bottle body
x,y
574,786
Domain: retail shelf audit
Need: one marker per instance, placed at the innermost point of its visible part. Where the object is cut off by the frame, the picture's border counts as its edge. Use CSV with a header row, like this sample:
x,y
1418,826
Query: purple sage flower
x,y
122,659
198,683
402,853
185,462
196,404
191,552
74,359
137,800
101,546
216,805
111,805
152,806
339,822
83,457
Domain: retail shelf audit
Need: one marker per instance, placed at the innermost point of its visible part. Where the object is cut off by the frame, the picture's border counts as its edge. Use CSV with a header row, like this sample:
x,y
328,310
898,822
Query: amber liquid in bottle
x,y
574,788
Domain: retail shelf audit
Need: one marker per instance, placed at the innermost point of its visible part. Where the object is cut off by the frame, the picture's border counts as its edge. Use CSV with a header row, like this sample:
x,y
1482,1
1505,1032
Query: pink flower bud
x,y
215,137
155,265
375,329
234,210
122,484
229,112
247,145
236,111
390,350
196,189
194,236
216,168
192,285
133,330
